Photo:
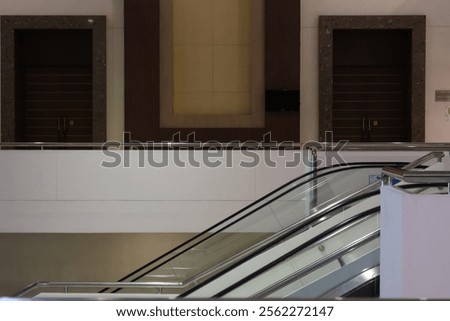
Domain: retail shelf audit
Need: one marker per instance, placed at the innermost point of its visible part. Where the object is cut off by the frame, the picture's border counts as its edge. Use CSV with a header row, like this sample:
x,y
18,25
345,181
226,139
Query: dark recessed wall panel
x,y
74,47
282,42
142,69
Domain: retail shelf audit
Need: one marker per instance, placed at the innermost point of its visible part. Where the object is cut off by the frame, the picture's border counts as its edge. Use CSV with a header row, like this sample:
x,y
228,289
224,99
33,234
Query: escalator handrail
x,y
286,232
335,169
119,284
361,280
308,174
66,285
408,174
304,222
412,176
301,247
414,164
319,263
348,221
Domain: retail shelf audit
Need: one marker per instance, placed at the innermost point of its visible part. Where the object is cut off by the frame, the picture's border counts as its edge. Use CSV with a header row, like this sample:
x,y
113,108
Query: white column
x,y
415,241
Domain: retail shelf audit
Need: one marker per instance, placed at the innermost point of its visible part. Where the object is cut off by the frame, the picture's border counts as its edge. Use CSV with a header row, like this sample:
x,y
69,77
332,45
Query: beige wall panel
x,y
215,78
232,103
193,103
232,68
192,21
193,68
232,21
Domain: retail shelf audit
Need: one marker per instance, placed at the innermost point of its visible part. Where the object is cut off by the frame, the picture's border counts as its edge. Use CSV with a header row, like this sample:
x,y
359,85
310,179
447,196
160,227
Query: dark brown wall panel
x,y
142,68
282,71
53,114
282,42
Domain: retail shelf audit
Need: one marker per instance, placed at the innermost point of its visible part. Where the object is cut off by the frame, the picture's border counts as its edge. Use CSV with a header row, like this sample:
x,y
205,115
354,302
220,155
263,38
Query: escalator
x,y
316,236
315,261
341,258
262,230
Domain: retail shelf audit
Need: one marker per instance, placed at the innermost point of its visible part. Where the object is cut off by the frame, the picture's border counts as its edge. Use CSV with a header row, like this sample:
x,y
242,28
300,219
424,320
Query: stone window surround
x,y
417,25
11,23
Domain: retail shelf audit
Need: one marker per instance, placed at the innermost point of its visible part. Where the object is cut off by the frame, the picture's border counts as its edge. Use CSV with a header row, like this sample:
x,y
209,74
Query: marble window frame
x,y
9,24
417,25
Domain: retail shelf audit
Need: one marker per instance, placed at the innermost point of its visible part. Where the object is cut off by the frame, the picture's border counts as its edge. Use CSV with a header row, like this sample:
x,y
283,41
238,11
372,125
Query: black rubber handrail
x,y
321,235
146,285
299,248
280,239
309,176
203,236
355,199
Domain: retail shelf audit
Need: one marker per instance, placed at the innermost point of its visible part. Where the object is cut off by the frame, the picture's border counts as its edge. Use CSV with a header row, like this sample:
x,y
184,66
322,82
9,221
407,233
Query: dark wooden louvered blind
x,y
58,104
370,103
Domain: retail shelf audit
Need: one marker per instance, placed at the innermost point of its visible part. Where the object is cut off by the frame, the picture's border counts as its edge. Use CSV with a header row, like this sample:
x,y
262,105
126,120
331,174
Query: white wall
x,y
113,10
437,127
69,191
414,239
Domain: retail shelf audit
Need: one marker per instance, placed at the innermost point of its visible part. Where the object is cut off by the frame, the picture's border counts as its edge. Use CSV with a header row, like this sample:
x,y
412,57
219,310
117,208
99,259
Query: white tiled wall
x,y
414,236
27,175
69,191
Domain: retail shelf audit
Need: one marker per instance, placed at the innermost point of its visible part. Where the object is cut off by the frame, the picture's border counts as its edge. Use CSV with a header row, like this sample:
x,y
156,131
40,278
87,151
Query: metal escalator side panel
x,y
246,269
332,284
289,207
